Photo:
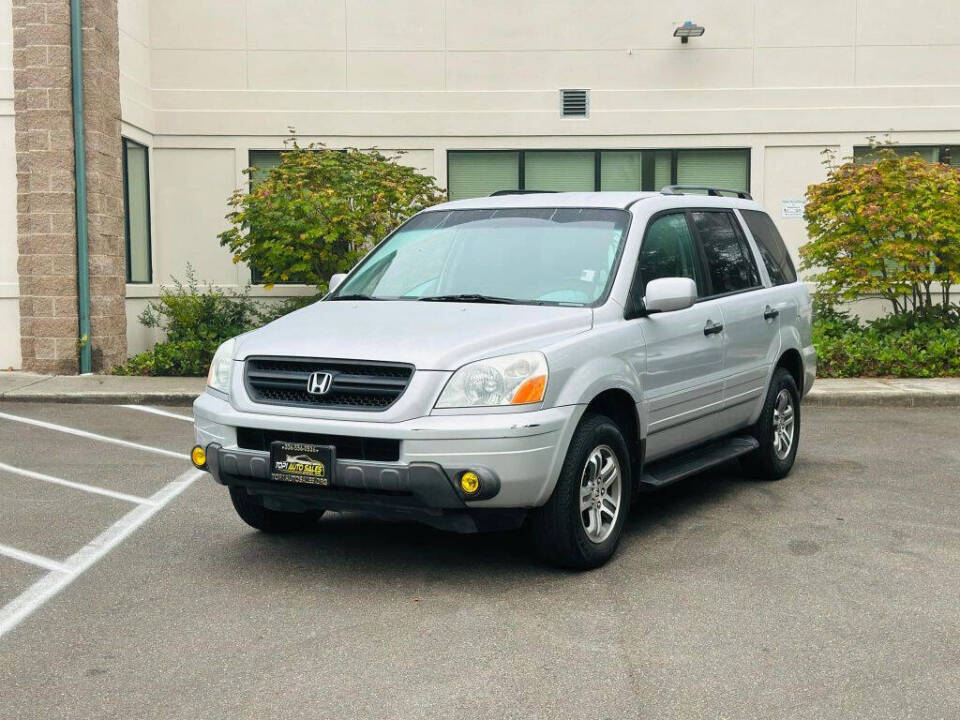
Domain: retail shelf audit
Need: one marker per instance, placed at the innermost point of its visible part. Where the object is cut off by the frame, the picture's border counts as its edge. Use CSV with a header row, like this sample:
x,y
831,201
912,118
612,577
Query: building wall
x,y
45,190
9,285
205,81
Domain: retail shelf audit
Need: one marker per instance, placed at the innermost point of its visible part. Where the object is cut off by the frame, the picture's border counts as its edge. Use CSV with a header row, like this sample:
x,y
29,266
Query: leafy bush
x,y
195,322
319,211
912,344
888,229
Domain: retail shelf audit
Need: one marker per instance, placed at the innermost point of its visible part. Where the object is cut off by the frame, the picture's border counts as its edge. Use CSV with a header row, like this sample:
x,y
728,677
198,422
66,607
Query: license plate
x,y
301,463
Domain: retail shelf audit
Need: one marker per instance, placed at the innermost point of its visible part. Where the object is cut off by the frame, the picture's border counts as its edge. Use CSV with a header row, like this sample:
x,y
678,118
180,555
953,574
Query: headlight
x,y
509,380
221,368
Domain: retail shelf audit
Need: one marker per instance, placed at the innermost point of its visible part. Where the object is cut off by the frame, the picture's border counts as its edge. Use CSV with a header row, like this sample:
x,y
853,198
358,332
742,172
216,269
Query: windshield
x,y
538,256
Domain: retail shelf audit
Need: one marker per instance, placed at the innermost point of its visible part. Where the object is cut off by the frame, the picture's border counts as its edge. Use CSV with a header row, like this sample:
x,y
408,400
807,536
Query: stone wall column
x,y
46,227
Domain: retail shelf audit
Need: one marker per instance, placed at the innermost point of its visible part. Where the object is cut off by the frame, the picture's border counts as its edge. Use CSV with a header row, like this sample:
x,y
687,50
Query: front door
x,y
681,361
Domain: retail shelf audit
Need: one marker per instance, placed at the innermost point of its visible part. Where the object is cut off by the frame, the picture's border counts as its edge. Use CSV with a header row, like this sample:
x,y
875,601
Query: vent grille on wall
x,y
575,103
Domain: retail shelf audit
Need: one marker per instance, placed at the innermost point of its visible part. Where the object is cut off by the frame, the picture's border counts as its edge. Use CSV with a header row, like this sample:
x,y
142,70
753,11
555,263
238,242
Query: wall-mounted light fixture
x,y
688,30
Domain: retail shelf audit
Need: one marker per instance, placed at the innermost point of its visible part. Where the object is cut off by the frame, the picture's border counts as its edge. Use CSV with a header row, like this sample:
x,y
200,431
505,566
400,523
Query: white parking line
x,y
92,436
75,485
70,569
32,559
157,411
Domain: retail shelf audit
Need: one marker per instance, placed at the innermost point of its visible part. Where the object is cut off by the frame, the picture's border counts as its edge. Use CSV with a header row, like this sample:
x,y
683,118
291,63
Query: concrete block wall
x,y
46,223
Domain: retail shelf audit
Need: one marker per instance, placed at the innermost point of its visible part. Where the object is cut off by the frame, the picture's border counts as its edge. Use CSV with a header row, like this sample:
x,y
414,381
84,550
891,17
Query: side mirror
x,y
335,281
669,294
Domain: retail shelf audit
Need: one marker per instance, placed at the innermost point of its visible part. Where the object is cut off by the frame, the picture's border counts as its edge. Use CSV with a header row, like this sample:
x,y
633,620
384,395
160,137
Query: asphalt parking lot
x,y
128,588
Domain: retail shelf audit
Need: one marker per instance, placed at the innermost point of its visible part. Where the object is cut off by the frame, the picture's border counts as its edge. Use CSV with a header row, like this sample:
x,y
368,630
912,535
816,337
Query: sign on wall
x,y
792,209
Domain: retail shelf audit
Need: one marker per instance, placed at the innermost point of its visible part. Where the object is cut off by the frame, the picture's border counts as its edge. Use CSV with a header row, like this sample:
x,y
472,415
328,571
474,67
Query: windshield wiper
x,y
354,296
474,298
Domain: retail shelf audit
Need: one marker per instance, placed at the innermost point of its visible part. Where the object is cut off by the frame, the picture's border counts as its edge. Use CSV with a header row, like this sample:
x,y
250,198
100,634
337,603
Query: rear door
x,y
681,366
751,328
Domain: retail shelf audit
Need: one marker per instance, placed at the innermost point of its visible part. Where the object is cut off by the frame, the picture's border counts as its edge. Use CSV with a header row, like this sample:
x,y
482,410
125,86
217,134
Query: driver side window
x,y
668,251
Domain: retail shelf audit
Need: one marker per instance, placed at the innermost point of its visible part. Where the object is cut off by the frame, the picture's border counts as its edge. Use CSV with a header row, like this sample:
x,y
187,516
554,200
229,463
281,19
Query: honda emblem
x,y
319,383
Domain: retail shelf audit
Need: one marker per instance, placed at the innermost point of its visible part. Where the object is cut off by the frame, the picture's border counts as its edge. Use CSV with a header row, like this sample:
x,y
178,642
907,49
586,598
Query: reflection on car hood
x,y
431,336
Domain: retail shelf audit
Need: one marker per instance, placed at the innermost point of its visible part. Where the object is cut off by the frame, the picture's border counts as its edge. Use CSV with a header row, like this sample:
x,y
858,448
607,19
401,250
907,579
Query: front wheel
x,y
581,523
777,430
254,514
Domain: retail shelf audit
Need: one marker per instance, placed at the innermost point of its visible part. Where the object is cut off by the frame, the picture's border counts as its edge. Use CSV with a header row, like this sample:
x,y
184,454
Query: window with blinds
x,y
726,169
262,162
136,211
947,154
479,173
559,171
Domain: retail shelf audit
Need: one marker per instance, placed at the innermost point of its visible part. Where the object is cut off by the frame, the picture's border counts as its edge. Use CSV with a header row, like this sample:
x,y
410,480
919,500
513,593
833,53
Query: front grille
x,y
347,447
355,385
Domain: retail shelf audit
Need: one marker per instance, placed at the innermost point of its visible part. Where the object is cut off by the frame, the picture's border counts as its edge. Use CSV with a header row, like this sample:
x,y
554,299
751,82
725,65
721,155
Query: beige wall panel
x,y
395,24
133,18
6,51
191,24
134,61
395,71
296,25
908,65
420,160
6,22
811,22
8,204
190,190
599,70
786,174
139,337
909,22
804,67
10,333
602,24
296,70
199,69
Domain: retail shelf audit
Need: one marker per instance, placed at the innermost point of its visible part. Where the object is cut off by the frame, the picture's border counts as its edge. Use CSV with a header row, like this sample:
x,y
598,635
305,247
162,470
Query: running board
x,y
665,472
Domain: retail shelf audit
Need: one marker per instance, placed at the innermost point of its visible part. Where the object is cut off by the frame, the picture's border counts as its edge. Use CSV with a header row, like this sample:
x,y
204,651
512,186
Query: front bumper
x,y
517,454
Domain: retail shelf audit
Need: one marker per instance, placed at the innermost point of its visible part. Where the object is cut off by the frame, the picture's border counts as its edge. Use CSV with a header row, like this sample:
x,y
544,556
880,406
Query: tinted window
x,y
772,249
728,258
668,251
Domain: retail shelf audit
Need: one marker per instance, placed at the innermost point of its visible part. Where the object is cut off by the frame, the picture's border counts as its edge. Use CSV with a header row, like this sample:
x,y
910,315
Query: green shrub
x,y
319,211
905,345
887,229
194,322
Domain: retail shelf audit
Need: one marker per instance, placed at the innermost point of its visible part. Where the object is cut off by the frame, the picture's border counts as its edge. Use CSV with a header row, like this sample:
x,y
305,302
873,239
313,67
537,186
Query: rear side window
x,y
729,263
772,250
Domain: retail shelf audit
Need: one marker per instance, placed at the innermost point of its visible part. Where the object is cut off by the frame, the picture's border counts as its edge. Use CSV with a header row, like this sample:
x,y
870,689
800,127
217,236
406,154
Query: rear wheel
x,y
777,430
580,526
253,513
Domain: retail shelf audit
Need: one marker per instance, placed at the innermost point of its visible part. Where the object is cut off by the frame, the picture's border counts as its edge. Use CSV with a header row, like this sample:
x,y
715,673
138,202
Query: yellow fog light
x,y
470,482
199,457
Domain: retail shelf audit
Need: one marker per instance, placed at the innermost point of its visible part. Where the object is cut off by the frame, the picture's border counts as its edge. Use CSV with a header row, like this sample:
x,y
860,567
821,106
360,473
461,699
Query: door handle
x,y
712,328
770,314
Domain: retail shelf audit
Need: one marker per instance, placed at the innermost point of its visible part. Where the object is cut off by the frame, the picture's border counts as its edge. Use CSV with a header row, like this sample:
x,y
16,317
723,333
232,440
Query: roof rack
x,y
498,193
715,192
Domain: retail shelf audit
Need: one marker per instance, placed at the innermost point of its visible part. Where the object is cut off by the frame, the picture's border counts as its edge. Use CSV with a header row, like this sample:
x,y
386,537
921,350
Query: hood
x,y
429,335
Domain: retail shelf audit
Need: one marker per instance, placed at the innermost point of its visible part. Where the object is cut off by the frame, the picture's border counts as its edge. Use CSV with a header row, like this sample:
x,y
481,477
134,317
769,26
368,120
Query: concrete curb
x,y
102,389
837,398
118,390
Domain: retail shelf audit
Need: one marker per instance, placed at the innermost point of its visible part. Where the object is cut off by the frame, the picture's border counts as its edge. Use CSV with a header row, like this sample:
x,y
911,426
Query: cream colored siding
x,y
205,82
9,286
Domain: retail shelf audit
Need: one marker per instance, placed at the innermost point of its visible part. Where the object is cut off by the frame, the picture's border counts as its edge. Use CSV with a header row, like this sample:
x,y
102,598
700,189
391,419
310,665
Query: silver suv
x,y
541,357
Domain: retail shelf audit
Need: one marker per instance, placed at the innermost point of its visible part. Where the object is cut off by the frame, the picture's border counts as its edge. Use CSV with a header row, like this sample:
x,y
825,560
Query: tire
x,y
560,528
253,513
770,461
